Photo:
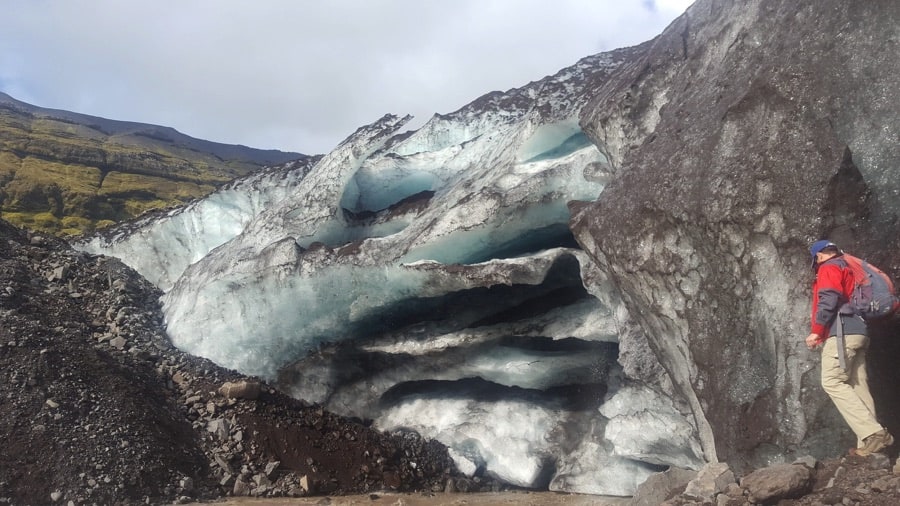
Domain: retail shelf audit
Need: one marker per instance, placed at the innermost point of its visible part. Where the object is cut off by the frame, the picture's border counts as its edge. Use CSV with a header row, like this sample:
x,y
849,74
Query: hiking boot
x,y
875,443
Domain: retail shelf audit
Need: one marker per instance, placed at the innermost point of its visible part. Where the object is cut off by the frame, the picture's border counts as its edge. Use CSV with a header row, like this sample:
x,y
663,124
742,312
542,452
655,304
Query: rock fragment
x,y
773,483
243,389
710,481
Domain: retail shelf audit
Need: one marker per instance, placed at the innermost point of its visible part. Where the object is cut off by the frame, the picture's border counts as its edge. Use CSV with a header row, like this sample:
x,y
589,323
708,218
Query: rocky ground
x,y
98,408
840,481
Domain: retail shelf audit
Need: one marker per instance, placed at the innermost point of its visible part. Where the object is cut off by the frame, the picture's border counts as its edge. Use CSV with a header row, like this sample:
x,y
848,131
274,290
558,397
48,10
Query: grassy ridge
x,y
66,173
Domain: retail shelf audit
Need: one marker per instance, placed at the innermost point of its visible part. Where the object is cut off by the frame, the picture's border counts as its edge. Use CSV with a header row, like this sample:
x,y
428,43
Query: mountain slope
x,y
68,173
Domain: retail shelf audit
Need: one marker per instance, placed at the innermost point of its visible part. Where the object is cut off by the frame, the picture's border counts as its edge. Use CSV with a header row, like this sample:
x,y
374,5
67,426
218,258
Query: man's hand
x,y
812,341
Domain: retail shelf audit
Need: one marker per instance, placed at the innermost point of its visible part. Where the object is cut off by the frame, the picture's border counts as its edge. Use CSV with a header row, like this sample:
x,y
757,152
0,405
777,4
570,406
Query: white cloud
x,y
678,6
297,75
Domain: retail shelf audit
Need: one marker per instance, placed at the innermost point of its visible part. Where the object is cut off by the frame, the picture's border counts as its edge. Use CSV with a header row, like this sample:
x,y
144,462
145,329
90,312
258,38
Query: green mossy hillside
x,y
66,173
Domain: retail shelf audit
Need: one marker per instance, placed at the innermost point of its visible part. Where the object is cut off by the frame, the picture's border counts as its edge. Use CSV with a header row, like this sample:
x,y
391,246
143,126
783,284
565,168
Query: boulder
x,y
244,389
712,480
771,484
219,427
662,486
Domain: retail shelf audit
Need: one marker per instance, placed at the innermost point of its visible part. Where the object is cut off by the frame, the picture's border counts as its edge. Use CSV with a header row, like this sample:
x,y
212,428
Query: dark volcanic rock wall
x,y
746,131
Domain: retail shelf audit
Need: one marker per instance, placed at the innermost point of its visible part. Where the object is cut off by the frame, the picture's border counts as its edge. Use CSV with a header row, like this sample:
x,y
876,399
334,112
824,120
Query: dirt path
x,y
478,499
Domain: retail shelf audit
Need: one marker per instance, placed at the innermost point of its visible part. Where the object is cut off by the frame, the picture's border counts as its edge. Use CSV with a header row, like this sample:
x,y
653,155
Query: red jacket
x,y
830,292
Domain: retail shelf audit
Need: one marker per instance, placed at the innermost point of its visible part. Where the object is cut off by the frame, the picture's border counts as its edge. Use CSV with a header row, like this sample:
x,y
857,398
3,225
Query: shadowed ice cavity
x,y
513,379
389,183
524,196
555,140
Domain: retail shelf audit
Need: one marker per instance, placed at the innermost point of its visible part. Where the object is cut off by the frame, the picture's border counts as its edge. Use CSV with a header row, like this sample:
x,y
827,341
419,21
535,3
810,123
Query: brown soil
x,y
518,498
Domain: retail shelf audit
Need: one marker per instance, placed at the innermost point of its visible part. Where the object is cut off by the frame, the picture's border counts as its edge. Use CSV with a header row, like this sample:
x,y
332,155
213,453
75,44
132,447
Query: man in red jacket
x,y
847,383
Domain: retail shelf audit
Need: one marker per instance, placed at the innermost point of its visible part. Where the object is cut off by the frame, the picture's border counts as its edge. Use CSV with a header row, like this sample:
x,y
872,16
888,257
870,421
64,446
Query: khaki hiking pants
x,y
849,390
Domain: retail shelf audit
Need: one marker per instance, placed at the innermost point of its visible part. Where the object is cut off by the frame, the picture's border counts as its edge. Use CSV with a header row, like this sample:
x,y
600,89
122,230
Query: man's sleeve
x,y
829,299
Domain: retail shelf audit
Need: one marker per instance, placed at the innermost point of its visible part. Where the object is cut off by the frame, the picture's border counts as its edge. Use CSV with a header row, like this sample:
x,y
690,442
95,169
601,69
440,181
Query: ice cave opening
x,y
510,377
446,297
385,186
554,141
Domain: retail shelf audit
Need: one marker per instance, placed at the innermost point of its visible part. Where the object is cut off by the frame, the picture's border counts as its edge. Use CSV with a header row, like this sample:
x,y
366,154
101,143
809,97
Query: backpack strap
x,y
841,348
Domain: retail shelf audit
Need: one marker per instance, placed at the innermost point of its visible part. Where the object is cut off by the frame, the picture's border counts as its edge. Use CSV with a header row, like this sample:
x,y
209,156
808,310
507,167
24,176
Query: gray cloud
x,y
298,75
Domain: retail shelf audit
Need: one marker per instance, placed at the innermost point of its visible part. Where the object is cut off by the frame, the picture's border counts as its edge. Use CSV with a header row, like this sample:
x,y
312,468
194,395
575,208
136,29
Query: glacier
x,y
427,280
162,244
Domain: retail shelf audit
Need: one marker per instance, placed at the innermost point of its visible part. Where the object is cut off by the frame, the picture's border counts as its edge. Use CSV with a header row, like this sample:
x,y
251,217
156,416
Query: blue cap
x,y
819,246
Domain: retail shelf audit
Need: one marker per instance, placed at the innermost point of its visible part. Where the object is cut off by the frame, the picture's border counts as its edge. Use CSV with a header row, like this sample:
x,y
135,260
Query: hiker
x,y
847,386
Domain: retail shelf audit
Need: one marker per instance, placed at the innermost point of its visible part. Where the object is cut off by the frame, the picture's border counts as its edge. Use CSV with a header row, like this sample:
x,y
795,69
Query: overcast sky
x,y
298,75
